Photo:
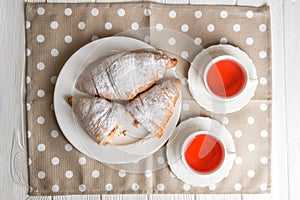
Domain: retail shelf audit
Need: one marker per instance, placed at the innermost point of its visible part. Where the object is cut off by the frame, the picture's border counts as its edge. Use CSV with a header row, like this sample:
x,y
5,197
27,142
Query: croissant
x,y
98,116
124,75
153,108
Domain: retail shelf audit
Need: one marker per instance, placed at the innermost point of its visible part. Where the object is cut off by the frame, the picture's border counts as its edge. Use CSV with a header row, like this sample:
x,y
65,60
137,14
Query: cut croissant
x,y
153,108
124,75
99,117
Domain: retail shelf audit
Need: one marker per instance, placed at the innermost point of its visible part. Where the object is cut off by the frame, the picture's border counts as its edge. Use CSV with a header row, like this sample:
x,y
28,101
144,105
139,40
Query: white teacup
x,y
225,77
210,160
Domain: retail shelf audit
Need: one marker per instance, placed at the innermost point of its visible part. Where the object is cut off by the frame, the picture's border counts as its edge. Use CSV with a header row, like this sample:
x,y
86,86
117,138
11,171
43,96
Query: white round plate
x,y
175,143
197,85
67,121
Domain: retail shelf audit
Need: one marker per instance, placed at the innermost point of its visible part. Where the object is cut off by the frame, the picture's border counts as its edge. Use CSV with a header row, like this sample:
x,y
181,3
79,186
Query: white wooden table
x,y
285,16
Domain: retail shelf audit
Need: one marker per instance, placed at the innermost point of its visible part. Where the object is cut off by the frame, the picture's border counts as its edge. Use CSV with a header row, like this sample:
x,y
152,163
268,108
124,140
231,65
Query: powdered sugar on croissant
x,y
99,117
153,108
124,75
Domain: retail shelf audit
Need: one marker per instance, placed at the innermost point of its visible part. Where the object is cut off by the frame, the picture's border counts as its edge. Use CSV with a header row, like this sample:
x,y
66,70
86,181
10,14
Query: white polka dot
x,y
68,39
51,106
82,160
40,66
249,14
122,173
251,120
210,28
264,133
251,147
28,79
198,14
95,12
54,25
238,133
263,107
82,188
223,14
160,187
238,160
225,120
41,174
68,11
172,41
185,107
197,41
251,173
28,106
108,187
54,133
159,27
29,161
262,54
237,186
40,11
135,187
172,14
184,54
236,27
27,24
40,38
263,81
121,12
54,52
186,187
134,26
263,187
95,174
53,79
28,134
68,147
40,120
262,28
264,160
55,188
41,147
108,26
184,28
69,174
28,52
40,93
160,160
55,161
172,175
94,37
249,41
212,187
81,25
147,12
148,173
223,40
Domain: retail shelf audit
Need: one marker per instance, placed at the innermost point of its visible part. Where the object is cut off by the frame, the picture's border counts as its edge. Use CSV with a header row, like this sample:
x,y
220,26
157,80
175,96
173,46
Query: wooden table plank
x,y
12,58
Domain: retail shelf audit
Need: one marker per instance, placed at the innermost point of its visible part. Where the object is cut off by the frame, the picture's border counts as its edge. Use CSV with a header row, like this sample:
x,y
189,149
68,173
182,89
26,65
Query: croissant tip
x,y
172,63
70,100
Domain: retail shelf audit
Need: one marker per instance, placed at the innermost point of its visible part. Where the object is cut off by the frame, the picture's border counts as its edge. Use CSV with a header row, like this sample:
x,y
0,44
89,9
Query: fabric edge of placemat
x,y
265,8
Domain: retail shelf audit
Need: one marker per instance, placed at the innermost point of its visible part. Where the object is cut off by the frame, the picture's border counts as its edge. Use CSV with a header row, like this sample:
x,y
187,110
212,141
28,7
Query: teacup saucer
x,y
176,141
197,85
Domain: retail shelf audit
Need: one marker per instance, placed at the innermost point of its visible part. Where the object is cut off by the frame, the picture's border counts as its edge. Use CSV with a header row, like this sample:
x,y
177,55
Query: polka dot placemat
x,y
55,31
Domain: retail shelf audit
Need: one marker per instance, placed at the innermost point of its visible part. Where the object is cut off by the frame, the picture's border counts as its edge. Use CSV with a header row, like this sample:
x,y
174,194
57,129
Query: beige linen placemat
x,y
55,31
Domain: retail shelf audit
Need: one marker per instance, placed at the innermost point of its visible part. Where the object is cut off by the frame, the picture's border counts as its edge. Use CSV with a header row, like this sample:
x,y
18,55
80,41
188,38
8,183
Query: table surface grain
x,y
286,95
